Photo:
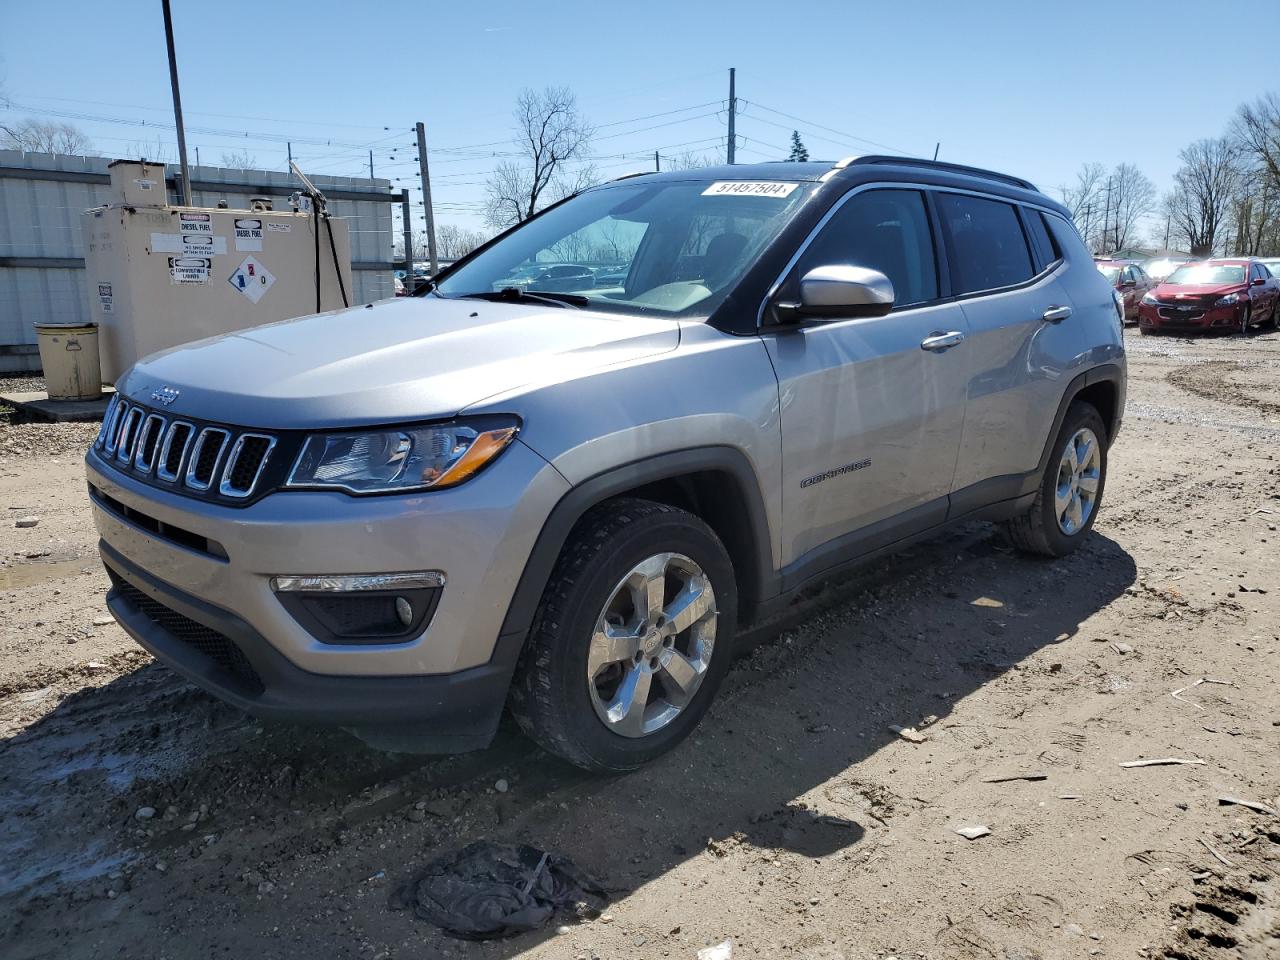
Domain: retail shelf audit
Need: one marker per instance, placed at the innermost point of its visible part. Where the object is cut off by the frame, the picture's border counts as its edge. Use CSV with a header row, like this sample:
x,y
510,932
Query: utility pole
x,y
426,197
733,109
406,216
177,105
289,146
657,165
370,164
936,147
197,156
1168,224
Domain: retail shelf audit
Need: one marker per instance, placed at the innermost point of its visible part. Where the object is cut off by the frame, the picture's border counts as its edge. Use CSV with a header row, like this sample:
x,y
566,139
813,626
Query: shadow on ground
x,y
317,812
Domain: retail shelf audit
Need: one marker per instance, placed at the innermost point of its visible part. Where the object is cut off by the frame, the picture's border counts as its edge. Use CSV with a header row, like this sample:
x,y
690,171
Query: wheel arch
x,y
715,483
1103,387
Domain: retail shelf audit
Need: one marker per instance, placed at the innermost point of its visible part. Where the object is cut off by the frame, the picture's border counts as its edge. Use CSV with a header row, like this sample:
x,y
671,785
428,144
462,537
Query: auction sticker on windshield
x,y
749,188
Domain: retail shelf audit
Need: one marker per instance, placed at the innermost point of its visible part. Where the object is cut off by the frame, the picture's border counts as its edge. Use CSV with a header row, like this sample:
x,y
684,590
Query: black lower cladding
x,y
205,640
220,652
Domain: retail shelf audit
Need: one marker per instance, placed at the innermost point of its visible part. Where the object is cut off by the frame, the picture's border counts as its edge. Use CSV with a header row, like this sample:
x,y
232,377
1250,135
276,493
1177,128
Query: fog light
x,y
404,610
361,608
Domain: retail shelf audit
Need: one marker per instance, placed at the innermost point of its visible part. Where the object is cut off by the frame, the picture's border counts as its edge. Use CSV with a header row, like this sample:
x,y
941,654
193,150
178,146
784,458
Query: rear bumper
x,y
217,650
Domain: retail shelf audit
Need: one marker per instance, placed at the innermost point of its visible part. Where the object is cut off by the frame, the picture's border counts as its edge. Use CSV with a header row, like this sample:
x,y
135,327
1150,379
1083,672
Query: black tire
x,y
550,696
1147,331
1037,531
1246,320
1275,314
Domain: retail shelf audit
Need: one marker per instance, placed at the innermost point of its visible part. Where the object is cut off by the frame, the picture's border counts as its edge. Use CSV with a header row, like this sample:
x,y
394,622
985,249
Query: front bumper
x,y
1193,320
210,566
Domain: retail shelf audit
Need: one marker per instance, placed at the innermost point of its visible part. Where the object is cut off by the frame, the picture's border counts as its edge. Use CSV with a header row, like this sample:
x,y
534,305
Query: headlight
x,y
397,461
1149,298
1227,301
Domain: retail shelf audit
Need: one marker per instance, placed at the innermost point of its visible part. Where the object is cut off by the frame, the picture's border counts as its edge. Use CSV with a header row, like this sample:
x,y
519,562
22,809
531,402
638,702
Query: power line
x,y
819,126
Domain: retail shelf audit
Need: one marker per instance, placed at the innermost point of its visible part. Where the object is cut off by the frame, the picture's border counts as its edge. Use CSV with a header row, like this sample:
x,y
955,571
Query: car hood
x,y
410,359
1195,291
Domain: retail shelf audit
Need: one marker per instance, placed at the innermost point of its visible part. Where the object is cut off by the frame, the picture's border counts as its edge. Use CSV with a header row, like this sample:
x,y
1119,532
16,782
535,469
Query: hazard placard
x,y
252,279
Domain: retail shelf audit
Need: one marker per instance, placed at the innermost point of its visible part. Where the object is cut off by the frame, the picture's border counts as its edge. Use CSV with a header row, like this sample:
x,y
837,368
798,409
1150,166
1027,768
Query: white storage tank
x,y
161,275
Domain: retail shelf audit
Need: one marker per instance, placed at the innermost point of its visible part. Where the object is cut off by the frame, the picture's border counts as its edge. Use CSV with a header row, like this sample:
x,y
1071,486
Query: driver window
x,y
886,230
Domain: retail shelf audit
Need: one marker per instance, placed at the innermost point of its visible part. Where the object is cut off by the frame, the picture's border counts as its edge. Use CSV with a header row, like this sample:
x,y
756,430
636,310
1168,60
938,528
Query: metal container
x,y
69,356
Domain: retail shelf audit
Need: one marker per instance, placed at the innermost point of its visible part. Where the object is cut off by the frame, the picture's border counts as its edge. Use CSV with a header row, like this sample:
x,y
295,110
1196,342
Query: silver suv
x,y
400,518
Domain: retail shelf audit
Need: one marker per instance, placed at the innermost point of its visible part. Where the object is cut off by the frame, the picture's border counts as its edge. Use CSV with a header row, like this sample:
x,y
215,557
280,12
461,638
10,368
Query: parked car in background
x,y
550,277
1272,264
1160,267
1225,294
399,287
566,503
1130,281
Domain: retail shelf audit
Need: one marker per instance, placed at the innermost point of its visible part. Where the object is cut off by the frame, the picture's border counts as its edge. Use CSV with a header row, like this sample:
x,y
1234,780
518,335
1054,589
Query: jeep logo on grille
x,y
165,395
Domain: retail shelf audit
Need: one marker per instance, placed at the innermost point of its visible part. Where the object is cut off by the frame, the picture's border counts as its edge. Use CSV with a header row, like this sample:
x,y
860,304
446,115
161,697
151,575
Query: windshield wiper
x,y
516,295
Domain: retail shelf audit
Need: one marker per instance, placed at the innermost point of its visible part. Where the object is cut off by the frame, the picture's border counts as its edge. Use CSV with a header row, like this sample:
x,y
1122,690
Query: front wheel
x,y
631,640
1066,504
1246,319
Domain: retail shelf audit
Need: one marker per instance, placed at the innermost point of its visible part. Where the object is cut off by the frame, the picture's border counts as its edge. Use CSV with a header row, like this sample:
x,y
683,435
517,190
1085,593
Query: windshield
x,y
674,248
1111,273
1208,273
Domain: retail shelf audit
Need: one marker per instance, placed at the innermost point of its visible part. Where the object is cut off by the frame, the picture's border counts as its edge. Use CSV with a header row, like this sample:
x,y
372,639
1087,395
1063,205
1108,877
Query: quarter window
x,y
1040,238
985,243
885,230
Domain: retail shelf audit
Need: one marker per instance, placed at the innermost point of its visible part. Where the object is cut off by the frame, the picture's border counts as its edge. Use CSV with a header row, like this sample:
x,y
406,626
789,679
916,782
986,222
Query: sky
x,y
1032,89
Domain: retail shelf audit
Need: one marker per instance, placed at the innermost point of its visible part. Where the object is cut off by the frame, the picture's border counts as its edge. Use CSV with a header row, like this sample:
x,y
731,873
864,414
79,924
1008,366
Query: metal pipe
x,y
177,105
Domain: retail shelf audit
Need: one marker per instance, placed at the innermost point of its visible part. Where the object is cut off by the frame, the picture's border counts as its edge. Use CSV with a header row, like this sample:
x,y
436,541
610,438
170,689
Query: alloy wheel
x,y
652,645
1079,477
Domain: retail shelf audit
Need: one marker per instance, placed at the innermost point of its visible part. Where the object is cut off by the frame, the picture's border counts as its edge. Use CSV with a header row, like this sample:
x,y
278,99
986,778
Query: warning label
x,y
189,269
252,279
196,223
248,233
195,244
279,227
105,300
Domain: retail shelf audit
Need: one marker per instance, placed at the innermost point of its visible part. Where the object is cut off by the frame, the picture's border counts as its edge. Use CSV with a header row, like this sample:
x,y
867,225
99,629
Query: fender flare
x,y
759,581
1103,373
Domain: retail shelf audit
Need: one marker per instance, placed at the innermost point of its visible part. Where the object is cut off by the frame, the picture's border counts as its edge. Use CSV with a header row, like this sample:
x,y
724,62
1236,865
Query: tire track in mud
x,y
1211,381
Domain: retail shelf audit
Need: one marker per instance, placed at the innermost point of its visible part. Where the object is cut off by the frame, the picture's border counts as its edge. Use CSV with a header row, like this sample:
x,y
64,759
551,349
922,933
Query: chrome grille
x,y
244,464
176,441
188,457
144,455
205,457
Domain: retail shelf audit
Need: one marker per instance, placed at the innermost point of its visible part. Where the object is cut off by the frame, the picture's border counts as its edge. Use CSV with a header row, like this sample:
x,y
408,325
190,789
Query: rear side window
x,y
985,242
1047,251
886,230
1068,240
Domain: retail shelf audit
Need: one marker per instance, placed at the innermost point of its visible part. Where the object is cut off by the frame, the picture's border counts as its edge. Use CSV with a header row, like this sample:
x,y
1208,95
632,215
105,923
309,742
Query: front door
x,y
871,420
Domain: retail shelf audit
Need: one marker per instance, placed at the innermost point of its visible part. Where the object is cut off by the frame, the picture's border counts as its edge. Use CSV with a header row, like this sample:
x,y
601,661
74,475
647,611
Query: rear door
x,y
871,421
1004,267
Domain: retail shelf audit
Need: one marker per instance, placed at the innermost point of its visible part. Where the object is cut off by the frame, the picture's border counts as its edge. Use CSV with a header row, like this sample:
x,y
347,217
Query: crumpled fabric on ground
x,y
489,890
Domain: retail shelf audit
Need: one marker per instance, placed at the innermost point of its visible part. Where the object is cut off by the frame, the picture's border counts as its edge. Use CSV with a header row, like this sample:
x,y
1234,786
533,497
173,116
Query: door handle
x,y
938,342
1055,314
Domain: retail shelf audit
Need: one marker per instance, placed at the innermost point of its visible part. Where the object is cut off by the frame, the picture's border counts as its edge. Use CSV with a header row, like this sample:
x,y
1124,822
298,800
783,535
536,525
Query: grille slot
x,y
149,436
205,456
244,464
204,640
112,438
174,448
107,419
128,433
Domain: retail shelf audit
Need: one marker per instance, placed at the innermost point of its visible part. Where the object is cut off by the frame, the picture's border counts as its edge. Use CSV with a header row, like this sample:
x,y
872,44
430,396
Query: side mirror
x,y
1257,282
1127,284
839,292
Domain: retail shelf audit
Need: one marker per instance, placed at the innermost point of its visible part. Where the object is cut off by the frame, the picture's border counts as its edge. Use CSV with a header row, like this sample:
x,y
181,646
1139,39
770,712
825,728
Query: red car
x,y
1226,294
1130,281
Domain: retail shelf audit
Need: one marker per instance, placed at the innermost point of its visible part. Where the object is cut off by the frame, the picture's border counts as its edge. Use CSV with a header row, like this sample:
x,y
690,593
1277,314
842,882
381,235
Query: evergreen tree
x,y
799,152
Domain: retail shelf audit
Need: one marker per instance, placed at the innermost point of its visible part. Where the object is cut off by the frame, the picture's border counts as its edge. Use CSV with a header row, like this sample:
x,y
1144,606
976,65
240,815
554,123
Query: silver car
x,y
403,517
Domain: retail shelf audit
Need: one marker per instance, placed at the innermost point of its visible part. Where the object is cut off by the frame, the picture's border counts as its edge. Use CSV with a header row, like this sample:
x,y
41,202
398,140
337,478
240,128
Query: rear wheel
x,y
1070,492
632,638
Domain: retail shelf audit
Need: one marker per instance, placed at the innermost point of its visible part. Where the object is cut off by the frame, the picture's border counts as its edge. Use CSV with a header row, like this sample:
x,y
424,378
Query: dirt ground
x,y
795,822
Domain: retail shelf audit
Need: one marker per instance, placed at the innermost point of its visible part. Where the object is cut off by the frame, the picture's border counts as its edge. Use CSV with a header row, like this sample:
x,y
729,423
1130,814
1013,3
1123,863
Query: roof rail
x,y
940,165
628,176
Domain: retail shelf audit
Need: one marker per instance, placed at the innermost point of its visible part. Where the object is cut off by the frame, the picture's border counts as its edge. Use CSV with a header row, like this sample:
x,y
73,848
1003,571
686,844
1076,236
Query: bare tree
x,y
239,159
453,241
153,150
551,135
37,136
1256,132
1133,196
1085,200
1257,129
1204,187
688,160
